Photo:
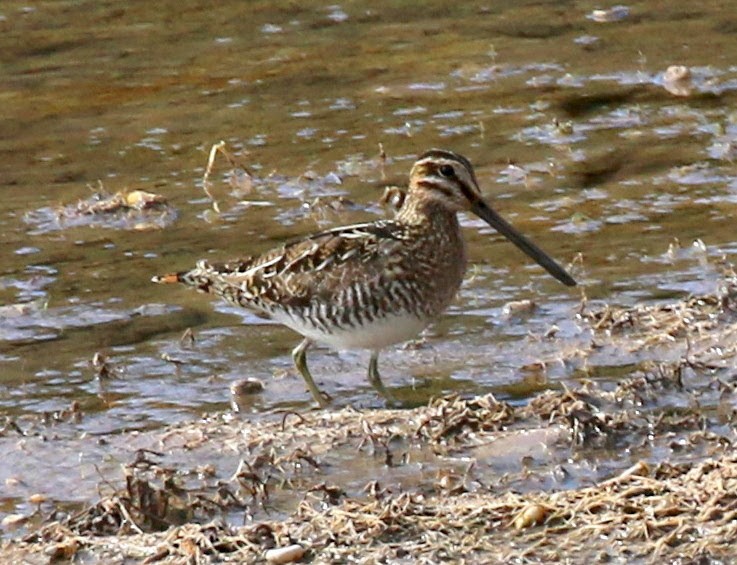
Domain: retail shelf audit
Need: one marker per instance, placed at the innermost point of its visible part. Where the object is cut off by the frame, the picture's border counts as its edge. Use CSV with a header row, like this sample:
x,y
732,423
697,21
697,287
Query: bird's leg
x,y
300,361
375,379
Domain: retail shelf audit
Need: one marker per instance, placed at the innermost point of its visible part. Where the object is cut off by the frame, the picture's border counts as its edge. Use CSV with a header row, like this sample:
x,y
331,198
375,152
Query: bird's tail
x,y
209,279
170,278
201,277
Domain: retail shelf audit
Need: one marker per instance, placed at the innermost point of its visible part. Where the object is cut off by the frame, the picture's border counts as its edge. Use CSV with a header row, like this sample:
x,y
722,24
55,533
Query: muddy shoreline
x,y
469,478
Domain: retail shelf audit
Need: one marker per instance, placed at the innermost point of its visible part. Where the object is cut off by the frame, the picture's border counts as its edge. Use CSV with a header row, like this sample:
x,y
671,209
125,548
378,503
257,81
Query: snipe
x,y
371,285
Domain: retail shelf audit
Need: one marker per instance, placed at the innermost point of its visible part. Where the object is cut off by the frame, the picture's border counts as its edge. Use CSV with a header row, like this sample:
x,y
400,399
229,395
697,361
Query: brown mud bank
x,y
644,470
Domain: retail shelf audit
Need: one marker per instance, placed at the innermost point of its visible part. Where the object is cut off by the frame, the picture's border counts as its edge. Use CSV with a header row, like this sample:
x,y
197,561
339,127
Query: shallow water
x,y
576,136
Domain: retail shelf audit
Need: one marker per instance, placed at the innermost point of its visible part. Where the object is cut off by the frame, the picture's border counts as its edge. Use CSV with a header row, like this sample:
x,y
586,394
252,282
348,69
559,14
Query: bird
x,y
368,285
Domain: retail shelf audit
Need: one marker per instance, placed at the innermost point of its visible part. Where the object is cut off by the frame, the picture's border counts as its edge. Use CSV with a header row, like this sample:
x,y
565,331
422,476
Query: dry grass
x,y
680,504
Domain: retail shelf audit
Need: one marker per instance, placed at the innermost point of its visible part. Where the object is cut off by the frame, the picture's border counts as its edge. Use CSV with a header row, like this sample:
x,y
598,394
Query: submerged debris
x,y
329,209
130,210
240,177
697,316
393,197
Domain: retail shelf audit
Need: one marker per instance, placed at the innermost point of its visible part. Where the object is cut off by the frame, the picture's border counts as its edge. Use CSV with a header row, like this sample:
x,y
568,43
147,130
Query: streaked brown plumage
x,y
368,285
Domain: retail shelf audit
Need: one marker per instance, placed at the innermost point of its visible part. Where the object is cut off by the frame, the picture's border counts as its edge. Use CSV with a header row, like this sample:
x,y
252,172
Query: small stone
x,y
677,72
288,554
246,386
613,14
37,499
531,515
140,199
518,308
63,551
12,521
552,332
242,391
677,80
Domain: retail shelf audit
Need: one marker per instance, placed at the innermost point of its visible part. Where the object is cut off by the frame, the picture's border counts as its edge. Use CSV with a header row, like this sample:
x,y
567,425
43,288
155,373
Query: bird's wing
x,y
312,268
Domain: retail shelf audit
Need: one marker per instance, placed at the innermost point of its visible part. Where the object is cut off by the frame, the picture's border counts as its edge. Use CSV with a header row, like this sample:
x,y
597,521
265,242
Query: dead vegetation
x,y
670,496
692,319
127,209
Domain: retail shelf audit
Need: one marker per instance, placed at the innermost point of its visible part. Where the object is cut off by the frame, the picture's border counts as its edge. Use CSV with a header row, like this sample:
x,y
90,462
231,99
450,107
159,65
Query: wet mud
x,y
140,424
461,478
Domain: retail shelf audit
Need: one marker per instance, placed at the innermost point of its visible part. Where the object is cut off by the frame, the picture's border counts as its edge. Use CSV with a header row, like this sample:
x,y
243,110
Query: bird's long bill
x,y
483,211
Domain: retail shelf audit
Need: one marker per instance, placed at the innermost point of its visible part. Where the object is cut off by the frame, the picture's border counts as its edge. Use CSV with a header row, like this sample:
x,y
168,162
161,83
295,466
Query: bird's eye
x,y
447,171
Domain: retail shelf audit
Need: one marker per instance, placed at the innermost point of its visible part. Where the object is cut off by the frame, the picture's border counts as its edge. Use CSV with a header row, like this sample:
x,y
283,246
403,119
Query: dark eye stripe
x,y
468,192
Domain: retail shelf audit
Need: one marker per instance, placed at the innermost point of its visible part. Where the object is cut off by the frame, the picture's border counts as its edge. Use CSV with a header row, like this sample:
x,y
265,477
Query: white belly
x,y
374,335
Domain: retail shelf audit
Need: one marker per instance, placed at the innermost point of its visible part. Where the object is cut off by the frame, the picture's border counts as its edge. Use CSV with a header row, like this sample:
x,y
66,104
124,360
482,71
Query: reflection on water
x,y
579,134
